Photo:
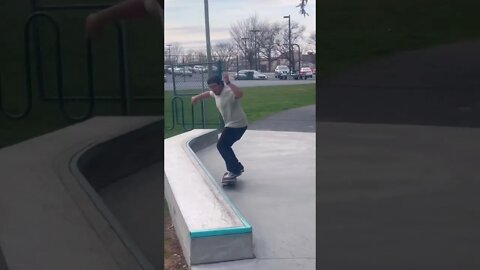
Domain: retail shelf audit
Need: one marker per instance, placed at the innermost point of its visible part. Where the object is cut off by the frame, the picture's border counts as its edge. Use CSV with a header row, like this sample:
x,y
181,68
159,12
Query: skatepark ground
x,y
397,154
276,194
284,240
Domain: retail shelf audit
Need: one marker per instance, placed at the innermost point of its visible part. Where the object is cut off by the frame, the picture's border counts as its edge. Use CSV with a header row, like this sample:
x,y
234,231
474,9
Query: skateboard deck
x,y
228,182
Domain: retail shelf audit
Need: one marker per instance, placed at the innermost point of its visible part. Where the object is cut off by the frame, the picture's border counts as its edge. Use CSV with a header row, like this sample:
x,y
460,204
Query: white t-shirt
x,y
230,108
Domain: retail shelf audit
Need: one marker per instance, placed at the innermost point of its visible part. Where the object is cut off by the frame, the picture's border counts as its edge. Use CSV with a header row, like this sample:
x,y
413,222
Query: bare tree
x,y
268,43
311,42
225,52
297,31
302,5
313,38
175,53
190,56
244,38
200,56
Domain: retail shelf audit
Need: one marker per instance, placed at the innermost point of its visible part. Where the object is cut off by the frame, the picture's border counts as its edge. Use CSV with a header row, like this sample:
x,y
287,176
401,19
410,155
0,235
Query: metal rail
x,y
32,29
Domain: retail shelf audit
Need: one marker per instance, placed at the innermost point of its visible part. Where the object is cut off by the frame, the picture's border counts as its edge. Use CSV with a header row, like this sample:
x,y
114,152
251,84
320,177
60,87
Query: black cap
x,y
214,79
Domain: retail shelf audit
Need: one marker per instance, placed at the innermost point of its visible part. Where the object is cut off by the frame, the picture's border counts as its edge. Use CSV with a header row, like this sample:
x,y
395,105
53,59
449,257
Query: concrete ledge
x,y
102,164
208,225
118,157
51,216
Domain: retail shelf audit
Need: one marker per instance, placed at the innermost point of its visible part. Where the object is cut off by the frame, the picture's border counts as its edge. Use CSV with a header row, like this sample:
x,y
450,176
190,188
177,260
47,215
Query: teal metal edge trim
x,y
221,232
247,228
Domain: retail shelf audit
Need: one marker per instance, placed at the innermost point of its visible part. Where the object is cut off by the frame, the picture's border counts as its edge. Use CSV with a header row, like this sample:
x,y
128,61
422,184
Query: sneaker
x,y
229,176
242,169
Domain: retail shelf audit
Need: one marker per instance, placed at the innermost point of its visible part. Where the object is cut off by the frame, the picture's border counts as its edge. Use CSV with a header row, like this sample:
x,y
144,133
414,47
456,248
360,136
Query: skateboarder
x,y
227,99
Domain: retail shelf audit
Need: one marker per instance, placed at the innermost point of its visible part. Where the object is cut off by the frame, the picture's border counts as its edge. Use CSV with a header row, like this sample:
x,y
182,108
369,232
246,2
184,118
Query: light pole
x,y
255,31
171,66
292,68
207,33
299,55
245,52
169,57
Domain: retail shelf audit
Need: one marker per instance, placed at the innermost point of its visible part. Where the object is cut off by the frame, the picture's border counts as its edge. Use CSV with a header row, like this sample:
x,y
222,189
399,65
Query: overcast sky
x,y
185,19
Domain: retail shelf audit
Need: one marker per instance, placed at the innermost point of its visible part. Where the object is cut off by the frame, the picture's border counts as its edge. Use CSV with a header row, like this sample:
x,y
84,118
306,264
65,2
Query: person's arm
x,y
154,7
235,89
128,9
201,96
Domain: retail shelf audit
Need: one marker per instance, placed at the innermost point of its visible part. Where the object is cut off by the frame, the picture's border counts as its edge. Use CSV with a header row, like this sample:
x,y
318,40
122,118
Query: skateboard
x,y
229,182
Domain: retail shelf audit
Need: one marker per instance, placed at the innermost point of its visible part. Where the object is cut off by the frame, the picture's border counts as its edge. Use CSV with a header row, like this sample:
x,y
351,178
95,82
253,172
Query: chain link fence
x,y
182,81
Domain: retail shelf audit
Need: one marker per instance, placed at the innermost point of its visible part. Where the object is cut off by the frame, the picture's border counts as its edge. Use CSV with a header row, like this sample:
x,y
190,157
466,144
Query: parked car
x,y
259,76
281,71
240,75
245,73
183,71
167,69
305,72
199,69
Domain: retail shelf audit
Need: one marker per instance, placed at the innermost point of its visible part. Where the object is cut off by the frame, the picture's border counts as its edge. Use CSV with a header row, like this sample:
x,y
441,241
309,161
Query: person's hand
x,y
194,100
153,7
93,26
226,78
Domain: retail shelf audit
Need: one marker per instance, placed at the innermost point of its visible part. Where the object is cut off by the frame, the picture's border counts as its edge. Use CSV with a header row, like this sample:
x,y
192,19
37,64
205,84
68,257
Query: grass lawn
x,y
257,102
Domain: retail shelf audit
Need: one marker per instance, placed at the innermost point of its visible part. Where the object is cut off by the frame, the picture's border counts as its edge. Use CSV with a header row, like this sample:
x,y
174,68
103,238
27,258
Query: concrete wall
x,y
208,225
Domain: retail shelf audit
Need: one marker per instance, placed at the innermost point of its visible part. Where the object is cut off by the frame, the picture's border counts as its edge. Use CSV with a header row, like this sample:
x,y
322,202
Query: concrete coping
x,y
199,207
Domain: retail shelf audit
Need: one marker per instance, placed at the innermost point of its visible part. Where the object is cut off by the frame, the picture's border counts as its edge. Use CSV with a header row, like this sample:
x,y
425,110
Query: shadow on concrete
x,y
3,263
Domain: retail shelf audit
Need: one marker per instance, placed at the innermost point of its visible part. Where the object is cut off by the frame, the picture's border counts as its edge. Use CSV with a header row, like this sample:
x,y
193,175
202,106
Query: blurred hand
x,y
93,26
153,7
194,100
226,78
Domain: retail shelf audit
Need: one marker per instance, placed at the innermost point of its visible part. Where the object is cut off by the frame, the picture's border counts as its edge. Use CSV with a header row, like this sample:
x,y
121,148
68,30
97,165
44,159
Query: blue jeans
x,y
224,145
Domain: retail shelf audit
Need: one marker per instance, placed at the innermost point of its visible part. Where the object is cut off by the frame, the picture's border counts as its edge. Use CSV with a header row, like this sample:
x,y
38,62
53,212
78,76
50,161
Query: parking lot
x,y
198,81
